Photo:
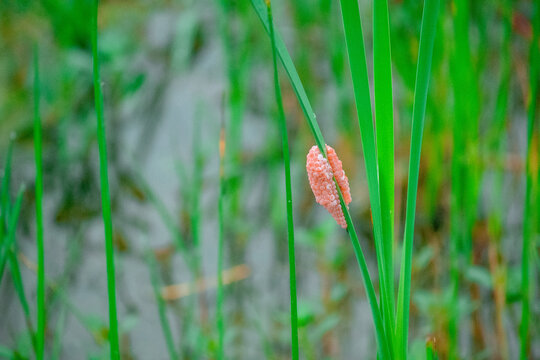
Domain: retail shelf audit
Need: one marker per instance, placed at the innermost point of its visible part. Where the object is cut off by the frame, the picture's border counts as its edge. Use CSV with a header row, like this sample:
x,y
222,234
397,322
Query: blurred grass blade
x,y
260,8
59,333
288,192
423,72
10,239
162,306
527,250
4,197
105,197
5,203
7,353
384,120
39,214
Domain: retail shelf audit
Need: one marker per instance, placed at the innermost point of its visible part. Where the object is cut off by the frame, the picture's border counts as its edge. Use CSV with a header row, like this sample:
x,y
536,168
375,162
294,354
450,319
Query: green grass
x,y
527,250
288,190
423,74
39,214
105,196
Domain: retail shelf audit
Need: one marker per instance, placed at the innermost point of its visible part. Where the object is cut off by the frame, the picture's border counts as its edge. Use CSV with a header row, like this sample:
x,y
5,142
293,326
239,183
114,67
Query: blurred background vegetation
x,y
173,72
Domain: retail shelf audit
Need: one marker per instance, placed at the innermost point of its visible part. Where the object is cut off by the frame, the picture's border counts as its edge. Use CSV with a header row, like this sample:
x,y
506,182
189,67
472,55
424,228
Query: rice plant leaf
x,y
423,72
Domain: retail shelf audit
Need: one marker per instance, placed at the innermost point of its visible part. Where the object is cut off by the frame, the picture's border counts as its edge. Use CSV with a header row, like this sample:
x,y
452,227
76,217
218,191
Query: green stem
x,y
105,196
288,192
524,329
39,214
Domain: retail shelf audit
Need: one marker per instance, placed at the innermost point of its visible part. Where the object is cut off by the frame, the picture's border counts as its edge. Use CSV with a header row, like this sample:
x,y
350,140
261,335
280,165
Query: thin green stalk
x,y
288,192
384,120
423,72
220,320
39,215
105,196
382,343
5,204
4,200
162,306
526,293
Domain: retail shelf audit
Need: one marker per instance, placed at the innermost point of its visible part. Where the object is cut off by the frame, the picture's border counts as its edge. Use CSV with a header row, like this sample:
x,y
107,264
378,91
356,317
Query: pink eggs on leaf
x,y
321,172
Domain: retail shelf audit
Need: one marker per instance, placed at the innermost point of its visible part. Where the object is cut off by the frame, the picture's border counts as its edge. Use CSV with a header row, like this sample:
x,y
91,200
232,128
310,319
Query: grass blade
x,y
39,214
11,232
4,197
105,196
288,192
4,200
162,306
423,72
526,293
384,119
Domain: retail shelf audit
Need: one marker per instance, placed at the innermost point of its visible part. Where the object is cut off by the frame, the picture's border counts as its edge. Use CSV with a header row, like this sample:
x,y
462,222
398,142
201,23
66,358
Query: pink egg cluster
x,y
320,173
